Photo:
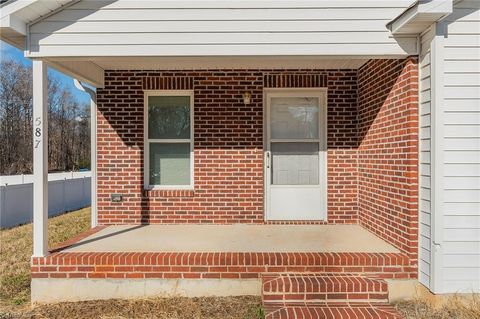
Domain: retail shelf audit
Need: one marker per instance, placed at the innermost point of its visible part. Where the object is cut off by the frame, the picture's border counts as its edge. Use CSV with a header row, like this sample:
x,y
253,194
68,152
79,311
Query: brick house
x,y
306,151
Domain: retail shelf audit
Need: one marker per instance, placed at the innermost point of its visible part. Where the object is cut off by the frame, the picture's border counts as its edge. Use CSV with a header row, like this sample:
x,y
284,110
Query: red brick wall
x,y
388,151
228,171
372,147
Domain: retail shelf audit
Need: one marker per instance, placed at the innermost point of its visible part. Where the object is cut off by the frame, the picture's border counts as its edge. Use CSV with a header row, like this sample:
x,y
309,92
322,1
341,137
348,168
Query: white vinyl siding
x,y
461,234
243,27
425,221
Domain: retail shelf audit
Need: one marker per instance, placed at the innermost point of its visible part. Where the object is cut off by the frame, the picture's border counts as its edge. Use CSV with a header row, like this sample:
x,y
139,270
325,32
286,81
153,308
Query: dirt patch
x,y
16,251
453,307
243,307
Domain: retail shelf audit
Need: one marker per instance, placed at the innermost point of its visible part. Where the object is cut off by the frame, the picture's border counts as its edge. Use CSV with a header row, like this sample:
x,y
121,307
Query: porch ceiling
x,y
227,62
91,70
234,238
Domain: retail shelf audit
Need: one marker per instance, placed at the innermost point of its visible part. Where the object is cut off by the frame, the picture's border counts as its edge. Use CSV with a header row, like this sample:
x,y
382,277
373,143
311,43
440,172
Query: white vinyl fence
x,y
66,191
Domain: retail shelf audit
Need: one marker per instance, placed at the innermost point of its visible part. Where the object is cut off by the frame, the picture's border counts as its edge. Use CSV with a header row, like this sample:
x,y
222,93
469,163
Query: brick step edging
x,y
195,265
309,288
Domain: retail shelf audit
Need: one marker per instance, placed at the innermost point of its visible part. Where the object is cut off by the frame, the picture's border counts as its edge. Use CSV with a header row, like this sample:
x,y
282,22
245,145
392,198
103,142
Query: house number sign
x,y
38,131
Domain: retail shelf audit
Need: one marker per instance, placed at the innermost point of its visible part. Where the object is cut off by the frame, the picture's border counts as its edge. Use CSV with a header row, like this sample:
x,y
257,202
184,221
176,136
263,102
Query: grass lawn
x,y
452,307
16,249
15,253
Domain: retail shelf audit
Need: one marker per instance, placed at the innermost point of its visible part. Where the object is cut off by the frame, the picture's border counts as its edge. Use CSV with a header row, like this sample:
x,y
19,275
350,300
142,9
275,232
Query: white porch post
x,y
40,159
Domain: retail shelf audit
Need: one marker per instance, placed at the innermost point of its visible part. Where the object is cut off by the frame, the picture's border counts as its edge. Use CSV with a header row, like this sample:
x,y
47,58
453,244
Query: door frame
x,y
322,94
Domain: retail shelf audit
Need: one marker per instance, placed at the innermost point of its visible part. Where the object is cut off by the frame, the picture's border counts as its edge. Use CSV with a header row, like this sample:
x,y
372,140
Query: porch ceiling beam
x,y
40,159
420,16
85,71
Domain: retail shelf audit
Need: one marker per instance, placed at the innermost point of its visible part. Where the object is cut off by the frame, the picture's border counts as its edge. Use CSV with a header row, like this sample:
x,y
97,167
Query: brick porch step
x,y
331,310
308,288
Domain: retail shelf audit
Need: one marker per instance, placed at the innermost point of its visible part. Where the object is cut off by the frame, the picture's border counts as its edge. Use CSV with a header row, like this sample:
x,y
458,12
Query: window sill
x,y
169,192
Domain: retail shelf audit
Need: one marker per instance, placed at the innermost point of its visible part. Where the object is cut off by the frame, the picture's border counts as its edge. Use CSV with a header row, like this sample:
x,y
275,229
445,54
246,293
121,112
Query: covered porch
x,y
215,237
218,260
363,144
356,86
367,147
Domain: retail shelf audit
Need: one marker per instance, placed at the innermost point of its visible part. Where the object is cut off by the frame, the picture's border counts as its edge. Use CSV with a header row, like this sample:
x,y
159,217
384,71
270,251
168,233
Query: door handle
x,y
268,157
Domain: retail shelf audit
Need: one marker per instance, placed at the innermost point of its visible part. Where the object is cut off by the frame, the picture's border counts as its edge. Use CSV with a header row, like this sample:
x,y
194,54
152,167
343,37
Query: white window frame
x,y
147,141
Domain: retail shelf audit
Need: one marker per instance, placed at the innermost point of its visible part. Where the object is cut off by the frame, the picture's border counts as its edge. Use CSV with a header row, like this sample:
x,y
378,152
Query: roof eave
x,y
418,17
14,26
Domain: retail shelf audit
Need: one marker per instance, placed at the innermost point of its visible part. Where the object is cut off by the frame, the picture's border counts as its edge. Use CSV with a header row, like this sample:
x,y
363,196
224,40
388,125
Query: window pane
x,y
295,163
294,117
169,164
169,117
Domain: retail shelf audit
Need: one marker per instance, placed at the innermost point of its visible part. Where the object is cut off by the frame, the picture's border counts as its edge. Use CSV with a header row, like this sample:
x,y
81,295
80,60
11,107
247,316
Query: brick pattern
x,y
342,142
196,265
295,80
228,145
372,147
388,151
331,295
335,311
167,83
307,288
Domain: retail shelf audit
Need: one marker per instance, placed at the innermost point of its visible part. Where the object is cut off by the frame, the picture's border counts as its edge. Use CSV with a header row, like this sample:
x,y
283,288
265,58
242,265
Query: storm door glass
x,y
294,141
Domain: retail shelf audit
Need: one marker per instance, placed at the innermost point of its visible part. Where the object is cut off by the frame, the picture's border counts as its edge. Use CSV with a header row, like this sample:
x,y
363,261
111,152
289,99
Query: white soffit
x,y
418,17
227,62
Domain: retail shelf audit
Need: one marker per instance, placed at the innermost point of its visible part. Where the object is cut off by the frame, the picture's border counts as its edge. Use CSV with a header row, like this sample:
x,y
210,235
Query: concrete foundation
x,y
402,289
58,290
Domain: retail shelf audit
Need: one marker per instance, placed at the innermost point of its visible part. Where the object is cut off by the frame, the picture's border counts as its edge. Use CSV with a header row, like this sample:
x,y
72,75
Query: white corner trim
x,y
437,162
93,148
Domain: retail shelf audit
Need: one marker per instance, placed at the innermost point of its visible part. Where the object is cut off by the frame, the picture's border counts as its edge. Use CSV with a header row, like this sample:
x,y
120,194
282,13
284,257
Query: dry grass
x,y
15,253
452,307
246,307
16,250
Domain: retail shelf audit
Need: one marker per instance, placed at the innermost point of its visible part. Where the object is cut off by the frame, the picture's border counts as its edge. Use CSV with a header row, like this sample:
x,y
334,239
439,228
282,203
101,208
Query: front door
x,y
295,156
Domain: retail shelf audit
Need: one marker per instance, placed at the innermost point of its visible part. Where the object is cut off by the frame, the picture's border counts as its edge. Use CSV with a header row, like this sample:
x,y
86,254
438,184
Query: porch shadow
x,y
93,238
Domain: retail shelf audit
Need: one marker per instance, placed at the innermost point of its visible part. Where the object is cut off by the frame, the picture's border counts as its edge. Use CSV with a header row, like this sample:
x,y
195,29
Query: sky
x,y
9,52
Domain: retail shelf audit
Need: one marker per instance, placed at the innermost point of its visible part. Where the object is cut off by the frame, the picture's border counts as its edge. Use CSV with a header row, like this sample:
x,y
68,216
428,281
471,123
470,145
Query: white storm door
x,y
295,157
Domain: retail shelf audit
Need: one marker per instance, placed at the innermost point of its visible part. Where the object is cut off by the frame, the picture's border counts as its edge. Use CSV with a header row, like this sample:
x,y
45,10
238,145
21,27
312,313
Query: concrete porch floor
x,y
233,238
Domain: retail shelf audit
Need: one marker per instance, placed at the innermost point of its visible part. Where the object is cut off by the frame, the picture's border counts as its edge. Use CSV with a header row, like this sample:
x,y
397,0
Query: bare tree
x,y
69,140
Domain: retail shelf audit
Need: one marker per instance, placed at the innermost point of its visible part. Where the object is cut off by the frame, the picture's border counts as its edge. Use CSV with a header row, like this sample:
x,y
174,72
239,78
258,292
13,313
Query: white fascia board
x,y
10,24
11,8
14,24
11,30
423,13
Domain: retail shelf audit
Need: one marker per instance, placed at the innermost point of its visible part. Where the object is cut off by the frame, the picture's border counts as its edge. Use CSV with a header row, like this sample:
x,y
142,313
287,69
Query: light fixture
x,y
247,96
